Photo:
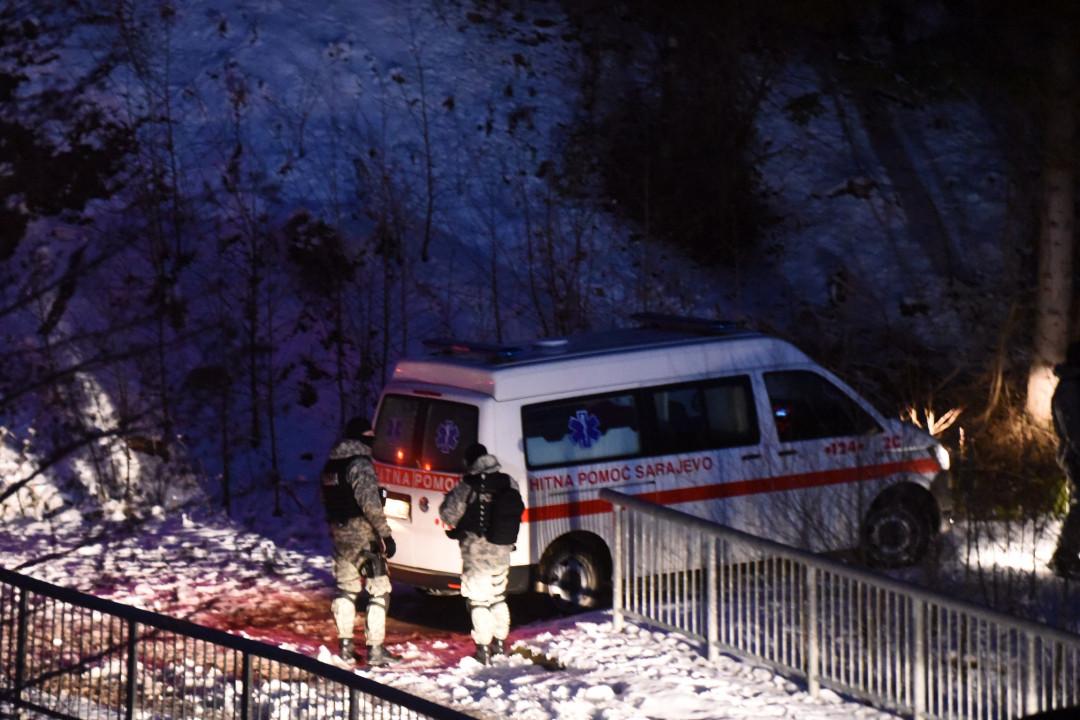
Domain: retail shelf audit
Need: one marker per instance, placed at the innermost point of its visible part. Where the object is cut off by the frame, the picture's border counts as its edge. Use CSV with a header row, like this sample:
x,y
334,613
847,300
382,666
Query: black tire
x,y
577,577
895,534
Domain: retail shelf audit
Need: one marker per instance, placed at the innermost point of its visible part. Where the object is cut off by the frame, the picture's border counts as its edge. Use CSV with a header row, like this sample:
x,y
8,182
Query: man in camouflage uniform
x,y
485,566
361,539
1066,414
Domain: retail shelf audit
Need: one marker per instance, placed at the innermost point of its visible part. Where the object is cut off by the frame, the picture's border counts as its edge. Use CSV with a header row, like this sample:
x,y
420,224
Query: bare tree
x,y
559,252
429,161
146,44
1056,231
384,199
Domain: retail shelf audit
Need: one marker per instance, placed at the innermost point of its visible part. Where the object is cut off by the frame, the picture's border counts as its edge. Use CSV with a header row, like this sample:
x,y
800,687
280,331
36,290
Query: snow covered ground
x,y
638,673
318,88
212,572
218,574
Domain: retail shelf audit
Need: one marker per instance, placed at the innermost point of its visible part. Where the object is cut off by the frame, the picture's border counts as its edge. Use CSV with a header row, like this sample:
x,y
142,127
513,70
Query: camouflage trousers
x,y
484,590
350,583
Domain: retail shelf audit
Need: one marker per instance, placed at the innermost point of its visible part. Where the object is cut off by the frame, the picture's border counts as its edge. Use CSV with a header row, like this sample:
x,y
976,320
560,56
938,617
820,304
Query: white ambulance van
x,y
720,422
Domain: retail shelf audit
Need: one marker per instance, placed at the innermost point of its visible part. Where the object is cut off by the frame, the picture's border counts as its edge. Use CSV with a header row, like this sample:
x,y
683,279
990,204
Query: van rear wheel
x,y
577,576
895,534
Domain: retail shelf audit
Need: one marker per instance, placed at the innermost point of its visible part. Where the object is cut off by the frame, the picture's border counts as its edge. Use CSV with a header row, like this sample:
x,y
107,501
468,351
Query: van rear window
x,y
424,433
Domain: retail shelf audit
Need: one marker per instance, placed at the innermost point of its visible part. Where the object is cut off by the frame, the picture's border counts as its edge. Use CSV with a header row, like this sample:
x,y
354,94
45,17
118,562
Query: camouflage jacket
x,y
357,533
476,552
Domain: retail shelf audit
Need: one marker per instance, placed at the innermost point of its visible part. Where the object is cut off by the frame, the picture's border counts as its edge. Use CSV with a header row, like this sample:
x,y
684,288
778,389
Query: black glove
x,y
389,546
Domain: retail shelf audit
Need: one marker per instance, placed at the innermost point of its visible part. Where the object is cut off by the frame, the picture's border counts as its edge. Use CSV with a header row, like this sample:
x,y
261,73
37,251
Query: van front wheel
x,y
895,534
576,576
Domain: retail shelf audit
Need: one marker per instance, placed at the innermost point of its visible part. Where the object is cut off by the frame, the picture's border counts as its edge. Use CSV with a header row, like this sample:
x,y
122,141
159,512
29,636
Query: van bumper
x,y
521,579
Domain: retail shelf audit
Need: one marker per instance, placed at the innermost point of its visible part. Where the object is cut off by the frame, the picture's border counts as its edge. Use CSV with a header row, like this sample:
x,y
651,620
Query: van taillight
x,y
400,455
427,466
429,393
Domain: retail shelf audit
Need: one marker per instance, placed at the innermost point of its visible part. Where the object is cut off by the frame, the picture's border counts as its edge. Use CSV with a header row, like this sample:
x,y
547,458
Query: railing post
x,y
245,686
617,571
712,599
20,645
1031,697
919,668
354,704
810,632
129,689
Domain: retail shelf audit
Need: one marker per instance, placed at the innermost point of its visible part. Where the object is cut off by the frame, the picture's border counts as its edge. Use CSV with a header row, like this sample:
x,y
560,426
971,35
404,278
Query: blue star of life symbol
x,y
447,436
584,428
393,431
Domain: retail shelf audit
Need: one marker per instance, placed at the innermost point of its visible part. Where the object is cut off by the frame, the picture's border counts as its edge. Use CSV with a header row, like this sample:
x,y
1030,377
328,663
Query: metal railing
x,y
898,646
70,655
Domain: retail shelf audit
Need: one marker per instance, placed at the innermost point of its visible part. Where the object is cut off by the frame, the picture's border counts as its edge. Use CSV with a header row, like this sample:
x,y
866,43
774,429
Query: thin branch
x,y
65,451
102,360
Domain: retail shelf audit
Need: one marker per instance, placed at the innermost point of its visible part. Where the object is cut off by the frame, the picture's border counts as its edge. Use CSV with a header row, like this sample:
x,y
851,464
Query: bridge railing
x,y
898,646
70,655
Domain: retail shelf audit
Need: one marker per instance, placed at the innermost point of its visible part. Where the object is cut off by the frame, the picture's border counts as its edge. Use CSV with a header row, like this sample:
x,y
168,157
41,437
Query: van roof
x,y
667,350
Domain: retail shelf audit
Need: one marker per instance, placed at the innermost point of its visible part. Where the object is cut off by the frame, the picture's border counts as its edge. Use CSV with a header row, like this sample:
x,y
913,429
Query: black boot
x,y
482,654
379,656
347,650
497,647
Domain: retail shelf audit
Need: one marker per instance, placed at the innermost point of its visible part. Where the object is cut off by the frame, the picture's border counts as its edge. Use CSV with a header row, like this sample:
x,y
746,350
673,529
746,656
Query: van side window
x,y
580,430
704,416
806,406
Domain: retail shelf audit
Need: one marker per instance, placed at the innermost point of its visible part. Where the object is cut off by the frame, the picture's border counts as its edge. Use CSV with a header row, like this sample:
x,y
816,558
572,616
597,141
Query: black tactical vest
x,y
494,509
337,494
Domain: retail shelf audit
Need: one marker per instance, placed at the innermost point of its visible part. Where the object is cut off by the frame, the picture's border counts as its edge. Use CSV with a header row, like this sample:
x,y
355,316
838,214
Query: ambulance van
x,y
717,421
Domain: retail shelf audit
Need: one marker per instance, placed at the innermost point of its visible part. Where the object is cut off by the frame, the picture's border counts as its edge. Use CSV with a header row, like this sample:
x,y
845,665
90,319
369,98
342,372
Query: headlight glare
x,y
941,454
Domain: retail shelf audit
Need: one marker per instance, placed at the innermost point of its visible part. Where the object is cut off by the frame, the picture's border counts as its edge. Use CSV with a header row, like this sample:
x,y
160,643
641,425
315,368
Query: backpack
x,y
493,512
506,509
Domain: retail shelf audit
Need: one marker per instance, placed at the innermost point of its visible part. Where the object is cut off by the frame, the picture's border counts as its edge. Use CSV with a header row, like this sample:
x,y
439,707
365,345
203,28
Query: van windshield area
x,y
424,433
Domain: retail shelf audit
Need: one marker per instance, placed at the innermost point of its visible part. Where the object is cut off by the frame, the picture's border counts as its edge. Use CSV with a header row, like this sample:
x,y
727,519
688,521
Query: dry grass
x,y
1005,466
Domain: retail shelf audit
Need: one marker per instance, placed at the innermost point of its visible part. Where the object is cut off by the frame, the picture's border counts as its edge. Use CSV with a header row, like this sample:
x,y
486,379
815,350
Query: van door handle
x,y
785,453
752,456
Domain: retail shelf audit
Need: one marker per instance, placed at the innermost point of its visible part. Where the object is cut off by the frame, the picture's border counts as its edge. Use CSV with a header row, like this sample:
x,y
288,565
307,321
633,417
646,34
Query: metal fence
x,y
70,655
898,646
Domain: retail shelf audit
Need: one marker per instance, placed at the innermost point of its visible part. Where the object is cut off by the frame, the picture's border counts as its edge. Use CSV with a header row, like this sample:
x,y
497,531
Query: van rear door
x,y
419,448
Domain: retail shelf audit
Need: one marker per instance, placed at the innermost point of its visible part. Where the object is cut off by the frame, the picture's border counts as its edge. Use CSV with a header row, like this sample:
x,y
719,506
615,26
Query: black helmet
x,y
473,453
358,428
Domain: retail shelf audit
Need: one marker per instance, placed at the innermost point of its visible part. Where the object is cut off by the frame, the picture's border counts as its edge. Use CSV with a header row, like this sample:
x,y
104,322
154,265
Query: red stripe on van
x,y
697,493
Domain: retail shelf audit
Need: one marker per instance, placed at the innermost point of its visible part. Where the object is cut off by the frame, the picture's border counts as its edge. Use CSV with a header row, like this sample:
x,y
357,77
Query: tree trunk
x,y
252,326
271,404
340,353
1055,269
226,451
